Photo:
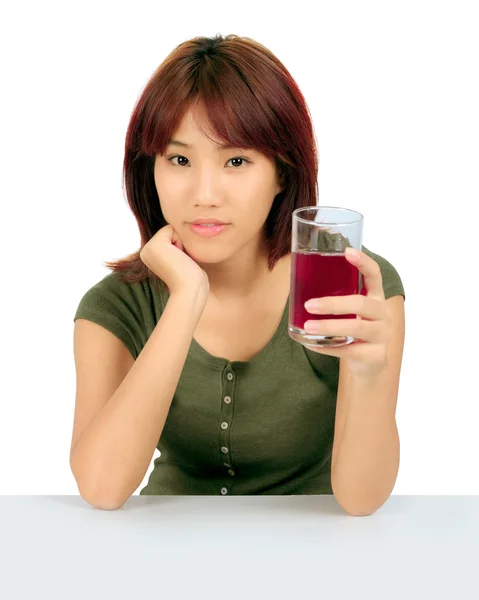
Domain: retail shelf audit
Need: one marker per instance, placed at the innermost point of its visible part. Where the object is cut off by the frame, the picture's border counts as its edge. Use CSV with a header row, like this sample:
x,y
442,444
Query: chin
x,y
206,255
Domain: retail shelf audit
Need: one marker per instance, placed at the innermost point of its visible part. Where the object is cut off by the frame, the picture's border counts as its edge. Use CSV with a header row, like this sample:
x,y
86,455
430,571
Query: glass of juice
x,y
319,267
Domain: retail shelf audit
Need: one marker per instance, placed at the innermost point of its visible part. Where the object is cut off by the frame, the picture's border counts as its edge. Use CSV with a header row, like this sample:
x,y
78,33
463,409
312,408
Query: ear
x,y
281,182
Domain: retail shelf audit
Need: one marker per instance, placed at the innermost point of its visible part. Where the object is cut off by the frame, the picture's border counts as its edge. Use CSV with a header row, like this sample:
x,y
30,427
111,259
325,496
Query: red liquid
x,y
316,275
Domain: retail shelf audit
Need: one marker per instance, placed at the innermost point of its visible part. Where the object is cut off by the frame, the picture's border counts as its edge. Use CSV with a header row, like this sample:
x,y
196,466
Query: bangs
x,y
224,108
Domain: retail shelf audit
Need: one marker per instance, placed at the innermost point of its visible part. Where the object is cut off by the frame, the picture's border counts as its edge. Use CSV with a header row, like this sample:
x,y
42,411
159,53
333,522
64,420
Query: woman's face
x,y
230,184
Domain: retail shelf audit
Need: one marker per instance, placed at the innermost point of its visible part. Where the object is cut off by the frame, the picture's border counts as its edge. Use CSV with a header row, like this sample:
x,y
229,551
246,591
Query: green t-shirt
x,y
264,426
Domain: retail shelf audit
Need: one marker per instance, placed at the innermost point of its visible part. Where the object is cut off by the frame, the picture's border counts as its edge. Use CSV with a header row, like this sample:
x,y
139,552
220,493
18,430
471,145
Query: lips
x,y
204,222
209,231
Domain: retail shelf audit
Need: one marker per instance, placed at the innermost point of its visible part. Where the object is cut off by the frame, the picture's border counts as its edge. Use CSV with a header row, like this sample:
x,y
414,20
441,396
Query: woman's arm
x,y
114,451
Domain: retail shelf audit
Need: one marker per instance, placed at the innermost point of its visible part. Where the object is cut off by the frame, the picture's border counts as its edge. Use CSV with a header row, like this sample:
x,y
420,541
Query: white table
x,y
265,547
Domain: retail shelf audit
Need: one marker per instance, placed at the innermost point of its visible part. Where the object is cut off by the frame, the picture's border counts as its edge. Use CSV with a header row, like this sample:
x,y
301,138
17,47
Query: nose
x,y
207,187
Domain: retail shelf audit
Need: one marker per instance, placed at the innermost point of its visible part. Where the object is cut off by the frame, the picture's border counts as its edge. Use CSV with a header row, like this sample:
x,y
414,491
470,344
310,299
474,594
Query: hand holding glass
x,y
319,267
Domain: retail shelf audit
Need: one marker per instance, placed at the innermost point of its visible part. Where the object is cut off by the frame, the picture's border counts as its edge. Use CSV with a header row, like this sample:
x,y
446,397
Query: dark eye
x,y
239,158
177,156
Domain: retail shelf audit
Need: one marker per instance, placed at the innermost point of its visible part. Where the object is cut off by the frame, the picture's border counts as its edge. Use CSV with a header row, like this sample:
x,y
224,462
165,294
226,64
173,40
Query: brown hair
x,y
250,100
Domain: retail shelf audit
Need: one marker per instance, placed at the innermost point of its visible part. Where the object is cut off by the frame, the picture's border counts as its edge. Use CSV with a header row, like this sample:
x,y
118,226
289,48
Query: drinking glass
x,y
319,267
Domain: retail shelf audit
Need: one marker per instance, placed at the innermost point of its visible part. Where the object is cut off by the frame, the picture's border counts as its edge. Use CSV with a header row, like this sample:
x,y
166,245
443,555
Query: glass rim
x,y
317,207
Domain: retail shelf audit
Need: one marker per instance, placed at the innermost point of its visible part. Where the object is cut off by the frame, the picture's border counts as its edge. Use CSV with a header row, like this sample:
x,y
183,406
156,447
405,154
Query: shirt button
x,y
230,376
227,464
227,399
224,425
224,450
224,491
231,472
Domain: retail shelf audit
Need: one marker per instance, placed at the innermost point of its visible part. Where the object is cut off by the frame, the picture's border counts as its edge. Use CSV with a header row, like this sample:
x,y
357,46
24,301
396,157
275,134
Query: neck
x,y
244,286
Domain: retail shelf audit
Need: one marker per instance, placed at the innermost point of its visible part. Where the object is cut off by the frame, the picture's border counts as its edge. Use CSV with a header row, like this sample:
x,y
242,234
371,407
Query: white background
x,y
393,91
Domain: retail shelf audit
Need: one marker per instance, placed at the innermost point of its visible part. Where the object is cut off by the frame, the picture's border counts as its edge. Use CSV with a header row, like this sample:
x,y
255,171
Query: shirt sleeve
x,y
392,283
117,307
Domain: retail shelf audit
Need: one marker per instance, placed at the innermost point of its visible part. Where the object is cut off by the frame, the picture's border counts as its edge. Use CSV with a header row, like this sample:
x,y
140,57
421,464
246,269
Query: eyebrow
x,y
219,146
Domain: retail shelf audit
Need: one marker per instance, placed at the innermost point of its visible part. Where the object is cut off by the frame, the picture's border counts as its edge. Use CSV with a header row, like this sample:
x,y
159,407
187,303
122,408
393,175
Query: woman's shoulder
x,y
115,284
130,310
392,282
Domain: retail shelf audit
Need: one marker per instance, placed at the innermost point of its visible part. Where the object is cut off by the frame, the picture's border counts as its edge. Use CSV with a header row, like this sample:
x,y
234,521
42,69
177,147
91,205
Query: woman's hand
x,y
165,255
367,354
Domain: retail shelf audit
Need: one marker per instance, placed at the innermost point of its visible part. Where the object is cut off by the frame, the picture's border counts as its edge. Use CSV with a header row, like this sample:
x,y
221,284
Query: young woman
x,y
184,347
